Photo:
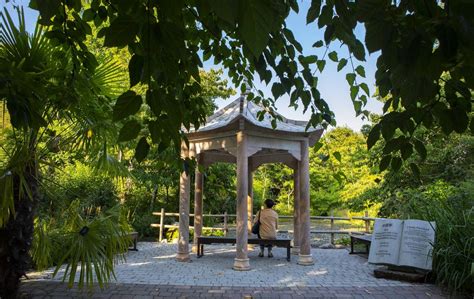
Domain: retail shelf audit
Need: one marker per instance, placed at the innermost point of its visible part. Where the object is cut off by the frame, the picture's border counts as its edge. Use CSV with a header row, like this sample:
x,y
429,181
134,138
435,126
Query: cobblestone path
x,y
153,272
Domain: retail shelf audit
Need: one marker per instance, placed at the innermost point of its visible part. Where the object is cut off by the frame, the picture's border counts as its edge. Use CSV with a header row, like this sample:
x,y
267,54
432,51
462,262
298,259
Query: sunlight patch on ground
x,y
317,272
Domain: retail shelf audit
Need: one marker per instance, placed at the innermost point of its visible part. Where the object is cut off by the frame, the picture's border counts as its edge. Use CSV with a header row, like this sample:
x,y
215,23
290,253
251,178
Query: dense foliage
x,y
66,102
250,38
441,192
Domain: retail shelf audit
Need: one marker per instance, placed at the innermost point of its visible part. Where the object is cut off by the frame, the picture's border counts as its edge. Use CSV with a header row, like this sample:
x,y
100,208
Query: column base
x,y
241,264
305,260
295,250
183,257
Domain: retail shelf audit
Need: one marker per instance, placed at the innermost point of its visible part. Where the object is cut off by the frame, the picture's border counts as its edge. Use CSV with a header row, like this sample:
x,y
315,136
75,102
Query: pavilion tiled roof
x,y
248,110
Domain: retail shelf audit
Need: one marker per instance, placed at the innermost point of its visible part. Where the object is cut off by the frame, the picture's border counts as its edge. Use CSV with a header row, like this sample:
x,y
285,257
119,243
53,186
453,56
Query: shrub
x,y
93,191
138,201
453,211
173,234
142,225
344,240
77,241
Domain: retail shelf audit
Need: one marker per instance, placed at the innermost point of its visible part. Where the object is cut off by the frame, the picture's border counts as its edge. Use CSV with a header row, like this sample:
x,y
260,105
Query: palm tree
x,y
41,86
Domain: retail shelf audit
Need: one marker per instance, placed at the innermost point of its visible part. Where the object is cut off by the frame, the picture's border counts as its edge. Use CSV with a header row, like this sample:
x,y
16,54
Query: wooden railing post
x,y
332,227
225,223
367,222
162,221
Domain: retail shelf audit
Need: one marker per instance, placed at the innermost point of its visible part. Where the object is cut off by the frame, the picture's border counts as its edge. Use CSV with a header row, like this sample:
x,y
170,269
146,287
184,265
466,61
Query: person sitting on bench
x,y
268,225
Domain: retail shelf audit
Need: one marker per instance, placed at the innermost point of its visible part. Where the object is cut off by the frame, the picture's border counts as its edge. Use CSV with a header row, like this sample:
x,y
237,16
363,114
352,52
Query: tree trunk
x,y
17,236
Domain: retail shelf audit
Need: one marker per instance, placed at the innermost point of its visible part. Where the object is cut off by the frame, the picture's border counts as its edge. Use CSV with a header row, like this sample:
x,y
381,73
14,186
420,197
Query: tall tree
x,y
340,170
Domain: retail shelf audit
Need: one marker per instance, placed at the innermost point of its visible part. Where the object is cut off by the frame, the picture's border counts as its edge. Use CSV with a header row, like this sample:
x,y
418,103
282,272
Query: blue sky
x,y
332,84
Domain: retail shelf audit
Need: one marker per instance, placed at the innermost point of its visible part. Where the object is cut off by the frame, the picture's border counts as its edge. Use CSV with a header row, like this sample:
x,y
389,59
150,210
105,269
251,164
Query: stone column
x,y
183,241
305,257
198,192
250,201
241,261
296,210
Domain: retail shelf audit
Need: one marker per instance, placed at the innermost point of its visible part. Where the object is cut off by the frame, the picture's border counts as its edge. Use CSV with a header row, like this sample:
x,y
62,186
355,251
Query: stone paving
x,y
50,289
154,268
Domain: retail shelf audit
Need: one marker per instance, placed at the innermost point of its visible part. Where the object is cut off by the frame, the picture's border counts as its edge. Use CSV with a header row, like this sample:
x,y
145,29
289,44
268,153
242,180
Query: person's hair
x,y
269,203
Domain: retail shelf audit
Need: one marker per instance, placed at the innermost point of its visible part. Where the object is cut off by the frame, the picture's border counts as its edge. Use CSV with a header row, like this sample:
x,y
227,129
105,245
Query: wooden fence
x,y
332,231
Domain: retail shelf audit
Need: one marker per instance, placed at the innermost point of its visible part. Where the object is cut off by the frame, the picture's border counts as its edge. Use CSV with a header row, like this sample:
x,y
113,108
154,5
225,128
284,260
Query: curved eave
x,y
314,134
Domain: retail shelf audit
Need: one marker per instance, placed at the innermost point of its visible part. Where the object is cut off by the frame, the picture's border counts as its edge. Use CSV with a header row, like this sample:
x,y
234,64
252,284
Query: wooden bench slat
x,y
226,240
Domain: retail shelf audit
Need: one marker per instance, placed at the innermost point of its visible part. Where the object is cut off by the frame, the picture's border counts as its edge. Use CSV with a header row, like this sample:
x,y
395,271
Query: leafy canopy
x,y
418,42
168,41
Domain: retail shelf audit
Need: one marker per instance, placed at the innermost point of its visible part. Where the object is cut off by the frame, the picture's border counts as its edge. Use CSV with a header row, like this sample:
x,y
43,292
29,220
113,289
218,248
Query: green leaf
x,y
406,150
350,77
392,145
471,125
323,157
415,170
460,119
360,70
46,8
317,146
257,19
378,34
129,131
328,33
337,155
357,107
274,123
374,135
326,16
342,63
135,67
278,90
318,44
122,31
313,11
95,4
396,163
88,15
420,148
155,131
142,149
307,59
225,10
305,98
385,162
291,38
102,13
358,50
365,88
333,56
327,117
127,104
321,64
309,77
388,129
354,92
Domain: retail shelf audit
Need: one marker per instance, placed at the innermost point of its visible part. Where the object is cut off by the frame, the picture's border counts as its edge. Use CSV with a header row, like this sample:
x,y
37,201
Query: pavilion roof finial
x,y
247,87
243,97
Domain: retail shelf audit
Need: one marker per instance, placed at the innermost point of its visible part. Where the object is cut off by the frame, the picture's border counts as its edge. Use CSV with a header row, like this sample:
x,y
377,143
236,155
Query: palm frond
x,y
94,247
